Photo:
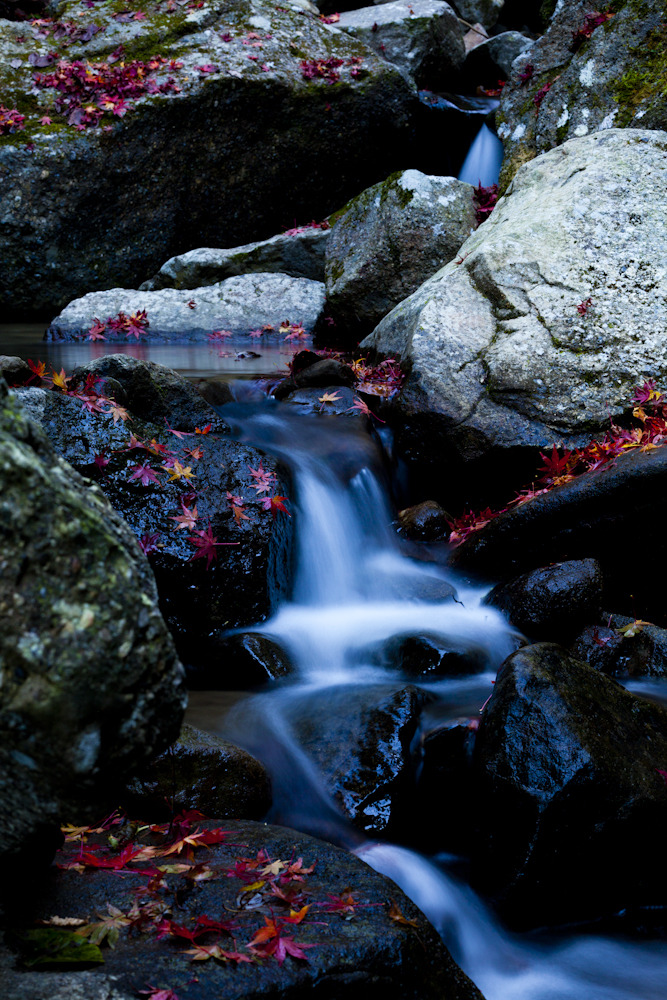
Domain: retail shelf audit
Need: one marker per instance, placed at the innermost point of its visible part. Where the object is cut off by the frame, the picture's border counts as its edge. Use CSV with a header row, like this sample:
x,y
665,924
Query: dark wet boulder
x,y
623,647
431,656
568,770
322,372
328,400
444,806
551,602
298,253
91,685
493,57
203,772
219,557
424,522
15,371
107,195
581,519
240,661
360,741
378,954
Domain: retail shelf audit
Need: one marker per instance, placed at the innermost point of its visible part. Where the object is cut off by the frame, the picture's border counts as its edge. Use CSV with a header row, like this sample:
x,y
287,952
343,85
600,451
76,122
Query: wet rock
x,y
639,651
444,807
106,209
390,239
200,771
590,71
521,341
15,371
91,685
551,602
360,742
238,584
239,662
216,392
367,958
152,391
578,520
568,764
424,39
425,522
239,305
324,372
340,400
299,254
431,656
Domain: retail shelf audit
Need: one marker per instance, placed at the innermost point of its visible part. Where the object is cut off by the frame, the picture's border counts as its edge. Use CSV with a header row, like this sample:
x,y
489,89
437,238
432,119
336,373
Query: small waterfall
x,y
354,589
482,164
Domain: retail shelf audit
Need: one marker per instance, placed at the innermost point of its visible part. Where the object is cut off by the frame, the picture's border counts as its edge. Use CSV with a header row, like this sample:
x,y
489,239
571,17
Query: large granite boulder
x,y
553,310
212,126
592,70
570,771
239,305
388,240
298,252
91,686
278,914
423,39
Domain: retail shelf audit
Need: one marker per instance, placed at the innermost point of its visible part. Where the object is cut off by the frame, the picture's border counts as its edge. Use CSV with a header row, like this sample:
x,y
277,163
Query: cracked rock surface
x,y
552,311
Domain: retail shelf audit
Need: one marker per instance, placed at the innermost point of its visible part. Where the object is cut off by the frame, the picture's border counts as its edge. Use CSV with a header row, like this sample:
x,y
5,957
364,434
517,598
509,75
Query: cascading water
x,y
482,164
354,590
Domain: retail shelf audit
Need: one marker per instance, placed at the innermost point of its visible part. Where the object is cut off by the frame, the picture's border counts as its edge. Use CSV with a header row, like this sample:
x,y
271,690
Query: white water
x,y
353,591
482,164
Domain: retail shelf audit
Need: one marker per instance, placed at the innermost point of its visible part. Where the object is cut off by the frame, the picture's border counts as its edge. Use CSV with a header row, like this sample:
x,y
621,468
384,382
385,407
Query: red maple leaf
x,y
274,504
270,940
144,474
206,544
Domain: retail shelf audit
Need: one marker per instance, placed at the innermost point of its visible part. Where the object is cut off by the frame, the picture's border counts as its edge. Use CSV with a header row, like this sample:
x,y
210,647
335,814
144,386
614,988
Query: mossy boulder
x,y
590,71
91,685
388,240
255,116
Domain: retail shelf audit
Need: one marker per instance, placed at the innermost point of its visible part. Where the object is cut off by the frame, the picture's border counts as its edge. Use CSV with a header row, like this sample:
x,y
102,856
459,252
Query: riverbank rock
x,y
388,950
241,661
551,602
388,240
238,305
581,519
569,770
590,71
91,685
298,253
167,143
203,772
424,39
218,552
623,647
550,315
493,57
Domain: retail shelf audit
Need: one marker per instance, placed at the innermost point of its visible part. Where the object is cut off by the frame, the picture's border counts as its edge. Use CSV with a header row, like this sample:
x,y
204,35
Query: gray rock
x,y
532,335
204,772
609,80
551,602
240,304
496,54
15,371
300,255
390,239
424,39
91,686
484,12
567,765
245,146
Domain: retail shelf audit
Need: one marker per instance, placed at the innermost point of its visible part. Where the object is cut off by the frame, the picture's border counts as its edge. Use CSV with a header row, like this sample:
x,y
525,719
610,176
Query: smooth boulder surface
x,y
568,767
203,772
250,118
238,305
423,39
373,956
299,254
552,312
237,577
553,601
592,70
388,240
623,647
91,685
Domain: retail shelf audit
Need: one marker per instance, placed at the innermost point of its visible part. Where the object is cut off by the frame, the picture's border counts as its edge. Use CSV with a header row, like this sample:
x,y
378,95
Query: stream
x,y
353,591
